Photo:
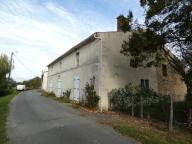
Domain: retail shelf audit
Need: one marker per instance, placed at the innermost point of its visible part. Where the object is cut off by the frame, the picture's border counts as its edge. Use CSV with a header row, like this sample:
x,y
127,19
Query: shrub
x,y
128,99
150,96
181,111
160,111
4,90
92,98
67,93
51,94
121,98
48,94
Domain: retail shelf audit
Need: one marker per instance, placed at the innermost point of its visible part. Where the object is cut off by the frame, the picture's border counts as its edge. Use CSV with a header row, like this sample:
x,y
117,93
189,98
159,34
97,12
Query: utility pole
x,y
10,66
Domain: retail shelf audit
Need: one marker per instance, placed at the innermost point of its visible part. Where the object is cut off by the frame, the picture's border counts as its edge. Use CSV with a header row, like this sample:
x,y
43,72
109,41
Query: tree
x,y
126,22
167,24
4,65
34,83
4,70
172,21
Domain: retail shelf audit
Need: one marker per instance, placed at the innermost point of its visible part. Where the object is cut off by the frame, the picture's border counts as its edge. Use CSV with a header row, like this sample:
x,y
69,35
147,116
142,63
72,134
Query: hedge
x,y
160,111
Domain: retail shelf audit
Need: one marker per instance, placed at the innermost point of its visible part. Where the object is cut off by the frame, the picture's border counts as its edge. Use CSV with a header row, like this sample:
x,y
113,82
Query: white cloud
x,y
60,11
42,31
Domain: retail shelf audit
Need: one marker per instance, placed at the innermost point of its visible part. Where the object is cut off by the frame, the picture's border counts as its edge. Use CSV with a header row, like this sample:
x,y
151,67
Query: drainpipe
x,y
100,67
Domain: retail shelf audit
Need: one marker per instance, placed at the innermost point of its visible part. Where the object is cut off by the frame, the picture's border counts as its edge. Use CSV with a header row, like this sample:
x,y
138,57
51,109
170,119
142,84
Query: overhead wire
x,y
23,65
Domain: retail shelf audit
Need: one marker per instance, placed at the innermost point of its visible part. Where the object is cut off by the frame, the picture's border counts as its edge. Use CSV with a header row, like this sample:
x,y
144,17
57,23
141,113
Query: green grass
x,y
4,109
60,99
146,136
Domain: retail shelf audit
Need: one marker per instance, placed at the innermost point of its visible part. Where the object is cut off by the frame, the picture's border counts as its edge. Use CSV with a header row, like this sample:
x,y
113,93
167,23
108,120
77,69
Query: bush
x,y
160,111
181,111
66,96
155,111
155,105
67,93
48,94
128,100
51,94
92,98
121,98
4,90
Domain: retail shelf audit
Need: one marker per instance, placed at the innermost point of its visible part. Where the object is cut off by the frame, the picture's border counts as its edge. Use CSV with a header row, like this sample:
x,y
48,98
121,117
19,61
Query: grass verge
x,y
151,136
60,99
4,109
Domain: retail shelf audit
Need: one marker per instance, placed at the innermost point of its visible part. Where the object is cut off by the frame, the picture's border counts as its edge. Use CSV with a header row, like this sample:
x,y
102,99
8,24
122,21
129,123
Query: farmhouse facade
x,y
98,60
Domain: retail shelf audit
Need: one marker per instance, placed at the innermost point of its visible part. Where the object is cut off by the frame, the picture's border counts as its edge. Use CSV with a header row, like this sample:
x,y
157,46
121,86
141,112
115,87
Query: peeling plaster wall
x,y
102,58
171,84
66,69
116,69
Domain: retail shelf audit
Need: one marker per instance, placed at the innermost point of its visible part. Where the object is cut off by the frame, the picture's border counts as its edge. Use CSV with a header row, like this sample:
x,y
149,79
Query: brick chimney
x,y
121,20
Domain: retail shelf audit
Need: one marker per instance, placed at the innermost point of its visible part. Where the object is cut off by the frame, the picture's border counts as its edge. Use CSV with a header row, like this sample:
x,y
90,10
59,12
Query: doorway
x,y
76,88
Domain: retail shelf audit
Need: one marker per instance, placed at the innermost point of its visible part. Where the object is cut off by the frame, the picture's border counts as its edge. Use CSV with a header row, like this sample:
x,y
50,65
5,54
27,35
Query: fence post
x,y
141,106
190,118
171,114
132,106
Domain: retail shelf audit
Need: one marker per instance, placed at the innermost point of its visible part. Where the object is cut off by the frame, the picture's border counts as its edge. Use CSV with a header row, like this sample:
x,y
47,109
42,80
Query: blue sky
x,y
41,30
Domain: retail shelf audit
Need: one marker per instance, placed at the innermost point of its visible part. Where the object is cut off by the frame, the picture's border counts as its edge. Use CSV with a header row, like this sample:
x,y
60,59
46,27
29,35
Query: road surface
x,y
34,119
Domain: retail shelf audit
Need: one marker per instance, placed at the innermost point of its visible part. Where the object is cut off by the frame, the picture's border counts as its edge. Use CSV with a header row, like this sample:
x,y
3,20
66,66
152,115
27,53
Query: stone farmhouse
x,y
98,60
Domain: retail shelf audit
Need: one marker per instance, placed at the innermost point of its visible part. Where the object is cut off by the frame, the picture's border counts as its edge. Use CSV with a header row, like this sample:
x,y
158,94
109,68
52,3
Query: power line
x,y
23,65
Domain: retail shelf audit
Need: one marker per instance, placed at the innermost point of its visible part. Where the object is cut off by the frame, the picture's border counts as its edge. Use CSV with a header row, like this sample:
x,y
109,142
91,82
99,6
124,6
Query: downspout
x,y
100,67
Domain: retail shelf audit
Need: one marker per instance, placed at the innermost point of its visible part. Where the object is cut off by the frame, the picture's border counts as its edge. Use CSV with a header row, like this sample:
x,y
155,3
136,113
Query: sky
x,y
39,31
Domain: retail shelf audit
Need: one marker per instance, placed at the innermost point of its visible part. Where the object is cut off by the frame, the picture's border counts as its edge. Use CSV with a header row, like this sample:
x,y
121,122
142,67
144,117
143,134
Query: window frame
x,y
164,70
77,55
144,83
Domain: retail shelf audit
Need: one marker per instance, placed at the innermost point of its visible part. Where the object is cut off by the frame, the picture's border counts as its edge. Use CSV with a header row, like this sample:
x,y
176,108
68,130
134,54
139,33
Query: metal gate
x,y
76,89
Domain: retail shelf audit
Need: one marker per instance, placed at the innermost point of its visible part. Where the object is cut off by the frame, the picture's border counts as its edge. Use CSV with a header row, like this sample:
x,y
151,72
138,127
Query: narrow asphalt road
x,y
34,119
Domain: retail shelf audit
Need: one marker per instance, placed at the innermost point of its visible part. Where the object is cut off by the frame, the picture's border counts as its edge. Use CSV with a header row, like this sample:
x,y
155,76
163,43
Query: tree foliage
x,y
4,65
122,99
126,22
92,98
4,70
34,83
167,24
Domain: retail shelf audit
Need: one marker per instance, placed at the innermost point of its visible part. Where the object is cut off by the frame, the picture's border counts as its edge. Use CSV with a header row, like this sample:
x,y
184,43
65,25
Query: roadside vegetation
x,y
64,99
146,103
147,116
6,83
166,25
7,92
143,130
149,135
34,83
90,102
4,109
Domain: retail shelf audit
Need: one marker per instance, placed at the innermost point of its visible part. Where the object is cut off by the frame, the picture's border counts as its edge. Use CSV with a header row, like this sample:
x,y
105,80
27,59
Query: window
x,y
164,70
145,83
77,59
142,83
